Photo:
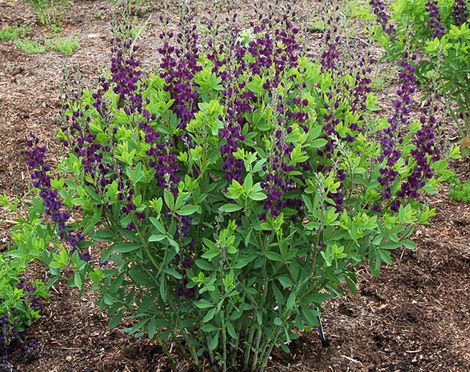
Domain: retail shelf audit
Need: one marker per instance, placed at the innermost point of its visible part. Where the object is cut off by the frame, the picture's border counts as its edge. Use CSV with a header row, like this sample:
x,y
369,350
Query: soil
x,y
414,317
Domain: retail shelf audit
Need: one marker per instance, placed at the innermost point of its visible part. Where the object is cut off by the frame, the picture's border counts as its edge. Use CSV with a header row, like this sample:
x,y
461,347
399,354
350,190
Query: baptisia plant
x,y
438,32
220,201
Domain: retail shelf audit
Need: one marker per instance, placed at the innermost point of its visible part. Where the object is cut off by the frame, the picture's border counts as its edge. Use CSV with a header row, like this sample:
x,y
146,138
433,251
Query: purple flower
x,y
51,199
460,12
435,24
379,9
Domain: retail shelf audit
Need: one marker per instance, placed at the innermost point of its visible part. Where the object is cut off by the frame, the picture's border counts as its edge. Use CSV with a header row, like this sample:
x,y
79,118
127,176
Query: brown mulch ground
x,y
415,317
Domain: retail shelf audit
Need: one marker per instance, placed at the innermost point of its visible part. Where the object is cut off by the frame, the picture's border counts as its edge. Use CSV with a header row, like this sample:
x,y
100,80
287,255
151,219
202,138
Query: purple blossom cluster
x,y
51,199
179,65
262,56
435,22
379,9
391,137
460,12
360,90
125,75
277,182
331,56
426,151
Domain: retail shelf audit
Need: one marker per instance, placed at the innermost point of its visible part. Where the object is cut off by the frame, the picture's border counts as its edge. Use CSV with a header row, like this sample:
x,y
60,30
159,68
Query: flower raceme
x,y
435,23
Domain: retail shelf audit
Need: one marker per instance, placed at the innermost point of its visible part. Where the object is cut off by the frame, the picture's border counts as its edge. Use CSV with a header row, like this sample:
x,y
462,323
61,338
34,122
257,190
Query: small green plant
x,y
30,46
50,12
460,191
64,45
14,32
359,9
20,295
316,26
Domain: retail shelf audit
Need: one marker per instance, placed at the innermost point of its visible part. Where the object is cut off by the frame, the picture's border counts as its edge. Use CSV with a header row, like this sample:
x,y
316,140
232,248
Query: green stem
x,y
224,340
249,347
258,340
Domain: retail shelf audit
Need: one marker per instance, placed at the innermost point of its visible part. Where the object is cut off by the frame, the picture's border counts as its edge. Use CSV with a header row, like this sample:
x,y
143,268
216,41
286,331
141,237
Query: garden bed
x,y
416,316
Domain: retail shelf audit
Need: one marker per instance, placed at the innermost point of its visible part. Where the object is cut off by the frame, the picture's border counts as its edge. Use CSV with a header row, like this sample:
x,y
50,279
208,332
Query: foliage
x,y
14,32
30,46
51,13
19,302
438,32
358,9
231,193
460,191
64,45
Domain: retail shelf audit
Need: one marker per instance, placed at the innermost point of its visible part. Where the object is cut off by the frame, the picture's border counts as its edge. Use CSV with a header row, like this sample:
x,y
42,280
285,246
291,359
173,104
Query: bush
x,y
233,192
438,32
19,303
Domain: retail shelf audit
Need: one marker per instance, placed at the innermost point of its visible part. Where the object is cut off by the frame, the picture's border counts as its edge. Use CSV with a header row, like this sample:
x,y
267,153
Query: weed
x,y
50,12
30,46
14,32
460,191
66,46
359,9
316,26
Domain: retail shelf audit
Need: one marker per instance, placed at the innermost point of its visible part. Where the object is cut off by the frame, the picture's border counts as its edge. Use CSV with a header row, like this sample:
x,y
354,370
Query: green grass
x,y
14,32
460,192
50,12
316,26
359,9
64,45
30,46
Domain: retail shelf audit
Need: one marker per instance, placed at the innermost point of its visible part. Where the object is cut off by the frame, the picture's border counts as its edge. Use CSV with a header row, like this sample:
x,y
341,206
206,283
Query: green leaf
x,y
152,328
291,300
104,236
163,289
77,280
318,143
409,244
169,199
116,319
125,247
231,207
204,304
310,316
157,238
273,256
231,330
187,210
203,265
214,342
209,316
257,196
285,281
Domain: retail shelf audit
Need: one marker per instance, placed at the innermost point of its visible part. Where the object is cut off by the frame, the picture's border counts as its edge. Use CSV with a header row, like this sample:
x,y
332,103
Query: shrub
x,y
438,32
19,303
231,193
